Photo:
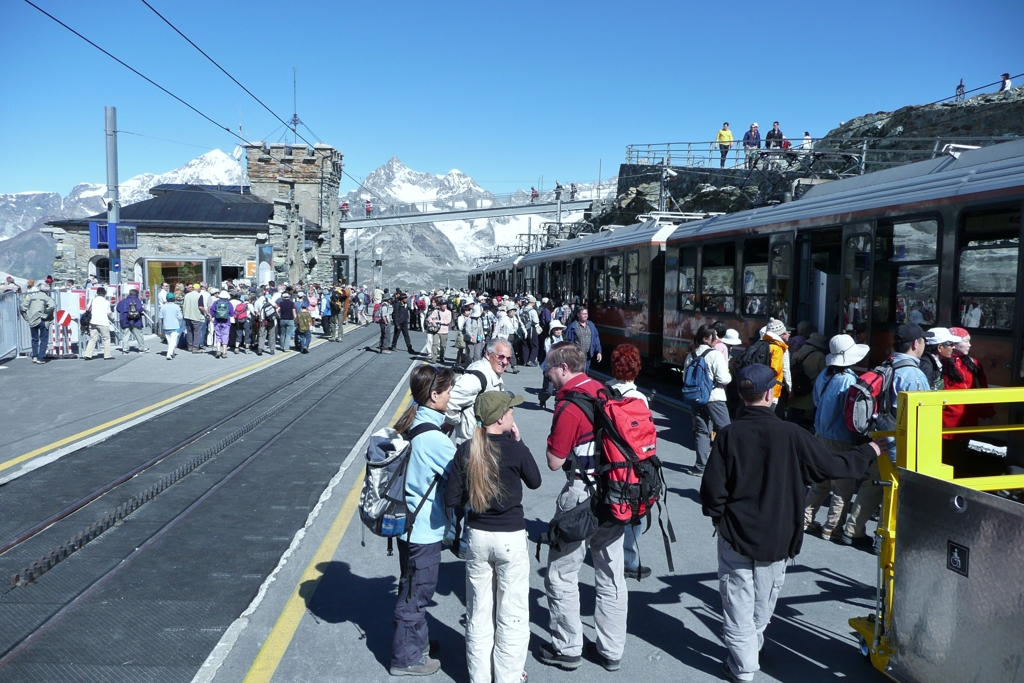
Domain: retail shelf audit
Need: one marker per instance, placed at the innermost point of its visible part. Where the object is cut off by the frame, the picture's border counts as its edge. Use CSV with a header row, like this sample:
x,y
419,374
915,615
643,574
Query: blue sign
x,y
98,235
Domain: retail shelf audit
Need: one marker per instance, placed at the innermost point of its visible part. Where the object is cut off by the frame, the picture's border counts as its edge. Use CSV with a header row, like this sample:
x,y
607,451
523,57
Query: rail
x,y
871,154
919,446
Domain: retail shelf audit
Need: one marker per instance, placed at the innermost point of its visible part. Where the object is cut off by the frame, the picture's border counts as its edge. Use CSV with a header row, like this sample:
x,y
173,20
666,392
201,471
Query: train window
x,y
615,283
718,276
635,295
755,277
988,270
906,273
597,280
781,279
857,283
687,279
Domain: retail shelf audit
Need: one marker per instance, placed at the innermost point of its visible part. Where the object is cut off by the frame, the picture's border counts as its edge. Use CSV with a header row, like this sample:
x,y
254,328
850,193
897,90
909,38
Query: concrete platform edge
x,y
208,671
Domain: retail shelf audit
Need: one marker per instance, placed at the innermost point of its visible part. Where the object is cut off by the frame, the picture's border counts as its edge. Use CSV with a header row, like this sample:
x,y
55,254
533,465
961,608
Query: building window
x,y
718,278
100,267
906,272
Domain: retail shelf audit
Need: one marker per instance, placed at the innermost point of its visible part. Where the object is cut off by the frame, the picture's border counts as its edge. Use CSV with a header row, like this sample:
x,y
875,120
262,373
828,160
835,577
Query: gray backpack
x,y
382,505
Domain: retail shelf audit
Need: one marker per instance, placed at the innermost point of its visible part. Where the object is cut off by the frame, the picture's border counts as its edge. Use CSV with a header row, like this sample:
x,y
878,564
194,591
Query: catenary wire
x,y
224,71
135,71
153,137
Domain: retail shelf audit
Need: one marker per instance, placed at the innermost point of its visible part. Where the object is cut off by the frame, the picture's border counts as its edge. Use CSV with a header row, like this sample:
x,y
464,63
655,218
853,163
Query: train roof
x,y
980,170
651,231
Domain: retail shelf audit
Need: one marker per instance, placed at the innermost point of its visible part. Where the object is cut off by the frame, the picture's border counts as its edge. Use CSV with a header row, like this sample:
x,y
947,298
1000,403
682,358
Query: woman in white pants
x,y
171,320
488,474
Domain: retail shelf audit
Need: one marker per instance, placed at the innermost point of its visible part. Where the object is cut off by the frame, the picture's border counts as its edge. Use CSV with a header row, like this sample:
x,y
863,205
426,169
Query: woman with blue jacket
x,y
419,553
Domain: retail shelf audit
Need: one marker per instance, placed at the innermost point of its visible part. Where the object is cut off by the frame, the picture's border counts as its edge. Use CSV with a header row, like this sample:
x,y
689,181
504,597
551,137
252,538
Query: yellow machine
x,y
919,450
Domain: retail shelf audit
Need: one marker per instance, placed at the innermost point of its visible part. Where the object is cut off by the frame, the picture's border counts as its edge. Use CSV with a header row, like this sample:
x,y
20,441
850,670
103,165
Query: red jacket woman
x,y
963,372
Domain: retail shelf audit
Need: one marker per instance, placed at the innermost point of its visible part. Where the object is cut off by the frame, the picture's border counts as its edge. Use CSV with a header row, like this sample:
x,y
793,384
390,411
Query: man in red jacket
x,y
753,490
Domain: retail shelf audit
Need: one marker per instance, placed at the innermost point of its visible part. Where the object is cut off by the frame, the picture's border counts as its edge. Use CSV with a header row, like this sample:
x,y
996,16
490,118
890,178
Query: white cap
x,y
941,335
731,338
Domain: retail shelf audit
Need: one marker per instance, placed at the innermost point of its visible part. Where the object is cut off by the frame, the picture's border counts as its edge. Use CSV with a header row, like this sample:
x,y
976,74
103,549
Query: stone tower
x,y
303,183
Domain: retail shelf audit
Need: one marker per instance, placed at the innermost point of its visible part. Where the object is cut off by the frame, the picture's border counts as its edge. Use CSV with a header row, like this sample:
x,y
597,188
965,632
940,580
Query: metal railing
x,y
11,323
520,198
919,446
868,154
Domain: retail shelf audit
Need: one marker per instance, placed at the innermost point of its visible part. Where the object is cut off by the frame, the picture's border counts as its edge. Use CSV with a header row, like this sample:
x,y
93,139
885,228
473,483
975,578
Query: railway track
x,y
350,363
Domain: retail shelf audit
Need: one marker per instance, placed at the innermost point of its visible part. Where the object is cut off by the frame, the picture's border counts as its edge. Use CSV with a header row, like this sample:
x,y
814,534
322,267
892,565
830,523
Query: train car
x,y
618,273
935,242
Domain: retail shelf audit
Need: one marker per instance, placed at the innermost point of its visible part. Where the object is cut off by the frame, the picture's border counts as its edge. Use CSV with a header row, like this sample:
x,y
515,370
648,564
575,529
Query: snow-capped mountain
x,y
393,187
25,210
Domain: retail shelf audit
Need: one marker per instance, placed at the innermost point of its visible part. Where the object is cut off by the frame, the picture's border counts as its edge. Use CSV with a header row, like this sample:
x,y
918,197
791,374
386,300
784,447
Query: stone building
x,y
212,232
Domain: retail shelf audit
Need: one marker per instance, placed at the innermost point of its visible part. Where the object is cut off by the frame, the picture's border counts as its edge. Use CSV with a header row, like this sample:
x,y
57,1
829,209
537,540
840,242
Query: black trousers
x,y
419,567
531,344
402,328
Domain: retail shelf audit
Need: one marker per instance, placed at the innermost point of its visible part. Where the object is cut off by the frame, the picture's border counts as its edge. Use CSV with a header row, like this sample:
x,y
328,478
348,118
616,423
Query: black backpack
x,y
803,384
133,313
758,353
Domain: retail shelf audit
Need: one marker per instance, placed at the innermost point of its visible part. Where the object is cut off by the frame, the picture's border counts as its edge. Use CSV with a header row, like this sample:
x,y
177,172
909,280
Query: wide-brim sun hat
x,y
556,325
845,351
731,338
224,295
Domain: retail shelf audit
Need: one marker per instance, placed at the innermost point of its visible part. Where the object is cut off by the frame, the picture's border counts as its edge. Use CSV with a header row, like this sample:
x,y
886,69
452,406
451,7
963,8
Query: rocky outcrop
x,y
711,199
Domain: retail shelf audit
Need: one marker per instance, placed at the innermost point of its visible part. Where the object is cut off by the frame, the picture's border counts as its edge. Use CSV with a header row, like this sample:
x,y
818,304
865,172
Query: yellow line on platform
x,y
276,644
106,425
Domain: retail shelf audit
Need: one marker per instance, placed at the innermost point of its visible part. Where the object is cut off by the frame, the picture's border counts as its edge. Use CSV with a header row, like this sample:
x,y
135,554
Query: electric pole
x,y
113,203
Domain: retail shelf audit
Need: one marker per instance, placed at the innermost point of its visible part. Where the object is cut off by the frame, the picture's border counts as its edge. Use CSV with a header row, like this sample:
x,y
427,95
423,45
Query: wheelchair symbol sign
x,y
958,558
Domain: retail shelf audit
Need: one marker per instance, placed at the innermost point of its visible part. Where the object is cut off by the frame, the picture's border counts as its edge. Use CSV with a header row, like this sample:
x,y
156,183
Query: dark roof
x,y
191,205
157,190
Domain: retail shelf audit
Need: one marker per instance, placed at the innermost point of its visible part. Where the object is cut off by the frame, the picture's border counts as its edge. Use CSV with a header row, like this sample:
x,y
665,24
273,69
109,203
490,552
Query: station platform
x,y
325,613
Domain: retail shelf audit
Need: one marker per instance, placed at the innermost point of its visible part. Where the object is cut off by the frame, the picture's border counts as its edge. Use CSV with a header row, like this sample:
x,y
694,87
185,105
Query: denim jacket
x,y
830,398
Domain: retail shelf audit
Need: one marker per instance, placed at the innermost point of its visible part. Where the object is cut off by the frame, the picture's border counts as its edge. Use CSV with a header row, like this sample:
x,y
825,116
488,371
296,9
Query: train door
x,y
576,279
780,284
817,270
854,310
656,304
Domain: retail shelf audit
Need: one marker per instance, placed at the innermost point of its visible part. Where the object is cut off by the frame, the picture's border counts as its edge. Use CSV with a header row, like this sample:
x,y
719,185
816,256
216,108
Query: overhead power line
x,y
136,71
225,72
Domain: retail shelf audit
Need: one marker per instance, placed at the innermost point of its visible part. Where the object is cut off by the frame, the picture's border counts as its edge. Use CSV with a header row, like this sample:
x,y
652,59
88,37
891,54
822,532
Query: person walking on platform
x,y
625,364
908,345
130,311
482,375
303,328
584,333
223,317
573,435
171,321
555,331
382,316
474,333
37,309
401,319
99,325
340,296
830,389
268,322
725,141
752,145
440,321
753,490
419,552
531,324
488,475
195,316
713,415
286,324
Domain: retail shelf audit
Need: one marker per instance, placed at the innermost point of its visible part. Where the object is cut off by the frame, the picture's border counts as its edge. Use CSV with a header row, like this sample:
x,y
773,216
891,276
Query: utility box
x,y
958,598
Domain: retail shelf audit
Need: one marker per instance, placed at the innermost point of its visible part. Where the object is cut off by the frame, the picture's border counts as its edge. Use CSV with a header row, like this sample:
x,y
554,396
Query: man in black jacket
x,y
401,316
753,490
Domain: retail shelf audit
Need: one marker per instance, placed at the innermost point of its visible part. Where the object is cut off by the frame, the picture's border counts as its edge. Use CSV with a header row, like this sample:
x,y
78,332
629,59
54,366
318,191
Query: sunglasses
x,y
502,357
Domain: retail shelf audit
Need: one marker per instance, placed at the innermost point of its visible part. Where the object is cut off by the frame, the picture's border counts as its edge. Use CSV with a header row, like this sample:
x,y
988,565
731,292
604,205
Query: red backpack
x,y
868,399
629,477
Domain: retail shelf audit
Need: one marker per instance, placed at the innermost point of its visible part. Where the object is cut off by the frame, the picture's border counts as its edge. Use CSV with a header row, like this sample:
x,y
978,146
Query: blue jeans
x,y
287,334
630,554
304,339
40,338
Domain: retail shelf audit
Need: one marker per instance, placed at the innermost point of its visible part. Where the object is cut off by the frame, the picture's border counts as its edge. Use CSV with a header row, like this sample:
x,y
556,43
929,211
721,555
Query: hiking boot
x,y
547,655
728,674
608,664
426,667
813,528
857,541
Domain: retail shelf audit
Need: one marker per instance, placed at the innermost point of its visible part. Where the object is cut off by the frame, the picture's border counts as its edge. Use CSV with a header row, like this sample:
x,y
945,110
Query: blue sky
x,y
506,92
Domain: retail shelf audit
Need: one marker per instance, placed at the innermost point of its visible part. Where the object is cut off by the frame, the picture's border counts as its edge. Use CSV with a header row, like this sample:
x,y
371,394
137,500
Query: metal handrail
x,y
875,152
